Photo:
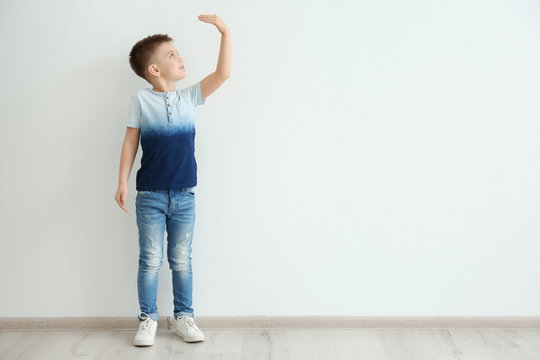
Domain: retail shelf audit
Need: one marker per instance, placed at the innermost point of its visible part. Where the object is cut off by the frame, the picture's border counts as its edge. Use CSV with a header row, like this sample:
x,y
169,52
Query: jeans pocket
x,y
144,193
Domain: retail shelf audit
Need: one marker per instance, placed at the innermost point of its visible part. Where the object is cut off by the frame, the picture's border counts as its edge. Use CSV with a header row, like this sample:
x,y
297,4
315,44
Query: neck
x,y
162,86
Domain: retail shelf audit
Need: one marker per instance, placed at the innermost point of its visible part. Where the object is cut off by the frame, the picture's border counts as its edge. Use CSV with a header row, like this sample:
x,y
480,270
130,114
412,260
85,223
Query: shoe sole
x,y
191,339
143,343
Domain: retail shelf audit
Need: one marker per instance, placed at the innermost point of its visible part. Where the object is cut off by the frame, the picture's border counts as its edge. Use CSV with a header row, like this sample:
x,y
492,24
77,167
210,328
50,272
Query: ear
x,y
153,70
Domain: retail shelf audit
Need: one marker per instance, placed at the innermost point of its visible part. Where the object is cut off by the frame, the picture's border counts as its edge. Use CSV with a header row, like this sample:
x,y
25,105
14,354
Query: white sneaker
x,y
146,333
186,328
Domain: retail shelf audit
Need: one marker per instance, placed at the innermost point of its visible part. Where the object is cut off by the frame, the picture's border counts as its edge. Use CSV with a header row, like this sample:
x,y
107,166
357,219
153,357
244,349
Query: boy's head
x,y
156,57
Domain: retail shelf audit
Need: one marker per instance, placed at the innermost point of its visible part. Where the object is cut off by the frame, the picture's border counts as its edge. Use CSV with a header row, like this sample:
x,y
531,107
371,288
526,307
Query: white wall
x,y
364,158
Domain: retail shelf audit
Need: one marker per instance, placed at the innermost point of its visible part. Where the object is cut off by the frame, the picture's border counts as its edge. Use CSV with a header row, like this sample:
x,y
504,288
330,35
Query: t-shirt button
x,y
169,113
167,104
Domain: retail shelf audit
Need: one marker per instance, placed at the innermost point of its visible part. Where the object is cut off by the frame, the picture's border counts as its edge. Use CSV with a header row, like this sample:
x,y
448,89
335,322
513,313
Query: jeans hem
x,y
182,313
153,316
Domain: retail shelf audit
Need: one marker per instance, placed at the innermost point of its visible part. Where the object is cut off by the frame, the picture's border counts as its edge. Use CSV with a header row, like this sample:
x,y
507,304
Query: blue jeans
x,y
155,210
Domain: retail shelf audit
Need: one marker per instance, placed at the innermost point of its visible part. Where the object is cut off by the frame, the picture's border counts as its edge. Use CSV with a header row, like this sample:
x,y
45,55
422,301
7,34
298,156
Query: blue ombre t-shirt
x,y
166,120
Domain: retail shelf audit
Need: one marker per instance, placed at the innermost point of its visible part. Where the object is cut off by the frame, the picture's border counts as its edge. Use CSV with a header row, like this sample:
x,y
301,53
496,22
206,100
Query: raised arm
x,y
223,70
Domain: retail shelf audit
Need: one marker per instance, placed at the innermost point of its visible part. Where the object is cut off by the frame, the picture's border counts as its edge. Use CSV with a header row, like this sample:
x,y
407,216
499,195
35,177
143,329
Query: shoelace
x,y
190,322
146,324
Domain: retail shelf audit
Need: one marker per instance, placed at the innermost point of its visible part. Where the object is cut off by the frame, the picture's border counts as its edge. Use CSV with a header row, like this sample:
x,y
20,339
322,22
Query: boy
x,y
163,117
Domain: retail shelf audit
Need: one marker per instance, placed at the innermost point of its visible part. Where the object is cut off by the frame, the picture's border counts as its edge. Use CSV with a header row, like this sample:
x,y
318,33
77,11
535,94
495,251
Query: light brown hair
x,y
142,51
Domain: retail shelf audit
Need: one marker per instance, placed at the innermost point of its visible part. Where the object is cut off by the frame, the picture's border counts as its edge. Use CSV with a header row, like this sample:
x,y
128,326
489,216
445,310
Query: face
x,y
169,62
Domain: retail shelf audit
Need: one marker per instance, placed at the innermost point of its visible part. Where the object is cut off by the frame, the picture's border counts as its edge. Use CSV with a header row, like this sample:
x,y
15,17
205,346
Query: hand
x,y
121,195
214,19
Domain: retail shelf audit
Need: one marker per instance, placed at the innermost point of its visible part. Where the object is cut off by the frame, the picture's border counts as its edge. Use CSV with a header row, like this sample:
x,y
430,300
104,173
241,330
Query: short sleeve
x,y
193,93
134,117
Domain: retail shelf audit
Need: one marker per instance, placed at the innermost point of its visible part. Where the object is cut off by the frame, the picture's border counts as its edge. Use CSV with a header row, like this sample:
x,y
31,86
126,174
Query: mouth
x,y
182,67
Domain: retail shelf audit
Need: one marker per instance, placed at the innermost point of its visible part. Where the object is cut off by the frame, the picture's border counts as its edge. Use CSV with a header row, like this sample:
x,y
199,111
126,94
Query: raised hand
x,y
216,20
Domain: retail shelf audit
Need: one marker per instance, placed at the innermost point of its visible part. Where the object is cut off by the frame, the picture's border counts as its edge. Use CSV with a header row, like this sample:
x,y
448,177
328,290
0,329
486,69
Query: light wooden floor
x,y
278,344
